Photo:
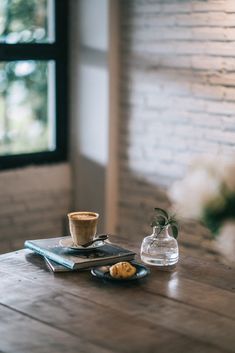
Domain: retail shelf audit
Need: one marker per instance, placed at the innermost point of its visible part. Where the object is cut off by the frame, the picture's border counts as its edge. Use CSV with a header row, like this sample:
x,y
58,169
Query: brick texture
x,y
33,204
177,88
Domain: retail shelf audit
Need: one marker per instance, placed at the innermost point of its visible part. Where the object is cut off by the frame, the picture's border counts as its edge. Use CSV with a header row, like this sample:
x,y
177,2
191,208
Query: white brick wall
x,y
177,98
34,202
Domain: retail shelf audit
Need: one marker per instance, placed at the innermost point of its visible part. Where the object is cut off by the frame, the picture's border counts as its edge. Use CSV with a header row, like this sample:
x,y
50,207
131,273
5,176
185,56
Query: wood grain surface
x,y
190,308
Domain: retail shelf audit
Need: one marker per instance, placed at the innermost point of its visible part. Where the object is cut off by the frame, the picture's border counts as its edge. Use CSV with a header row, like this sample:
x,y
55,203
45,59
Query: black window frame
x,y
58,52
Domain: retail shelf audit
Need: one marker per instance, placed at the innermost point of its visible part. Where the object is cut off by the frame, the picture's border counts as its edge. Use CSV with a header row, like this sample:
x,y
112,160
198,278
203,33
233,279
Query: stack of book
x,y
61,259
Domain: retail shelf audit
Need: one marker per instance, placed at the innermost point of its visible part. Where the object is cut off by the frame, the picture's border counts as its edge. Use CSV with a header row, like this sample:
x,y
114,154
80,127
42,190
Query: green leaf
x,y
175,231
161,218
174,228
161,212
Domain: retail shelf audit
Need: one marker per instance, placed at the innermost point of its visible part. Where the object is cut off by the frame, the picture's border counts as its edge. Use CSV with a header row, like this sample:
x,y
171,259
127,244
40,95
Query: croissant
x,y
122,270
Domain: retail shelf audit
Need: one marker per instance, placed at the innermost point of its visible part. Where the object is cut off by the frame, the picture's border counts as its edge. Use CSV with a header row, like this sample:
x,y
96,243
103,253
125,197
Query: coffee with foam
x,y
86,216
82,226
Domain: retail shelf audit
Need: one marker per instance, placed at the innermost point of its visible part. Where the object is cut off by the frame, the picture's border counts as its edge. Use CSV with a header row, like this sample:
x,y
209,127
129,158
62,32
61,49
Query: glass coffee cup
x,y
83,226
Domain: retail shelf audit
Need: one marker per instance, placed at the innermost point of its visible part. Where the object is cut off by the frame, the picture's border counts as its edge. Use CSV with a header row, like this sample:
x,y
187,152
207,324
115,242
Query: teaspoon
x,y
100,237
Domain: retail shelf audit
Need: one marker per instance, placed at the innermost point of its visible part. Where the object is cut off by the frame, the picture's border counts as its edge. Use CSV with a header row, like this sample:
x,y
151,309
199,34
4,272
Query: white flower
x,y
194,192
201,187
206,185
209,185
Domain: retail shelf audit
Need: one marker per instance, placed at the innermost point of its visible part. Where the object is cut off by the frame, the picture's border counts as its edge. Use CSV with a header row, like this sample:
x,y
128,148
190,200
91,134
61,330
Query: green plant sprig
x,y
162,219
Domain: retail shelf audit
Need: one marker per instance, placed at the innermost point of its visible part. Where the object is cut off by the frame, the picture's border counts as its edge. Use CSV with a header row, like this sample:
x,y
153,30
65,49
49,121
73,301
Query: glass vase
x,y
160,248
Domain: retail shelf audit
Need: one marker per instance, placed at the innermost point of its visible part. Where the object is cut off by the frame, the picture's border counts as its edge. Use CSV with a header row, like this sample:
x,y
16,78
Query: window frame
x,y
58,52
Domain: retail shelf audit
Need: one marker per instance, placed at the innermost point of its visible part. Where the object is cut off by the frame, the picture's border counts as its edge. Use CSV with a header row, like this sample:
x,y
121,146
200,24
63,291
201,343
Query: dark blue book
x,y
106,254
55,267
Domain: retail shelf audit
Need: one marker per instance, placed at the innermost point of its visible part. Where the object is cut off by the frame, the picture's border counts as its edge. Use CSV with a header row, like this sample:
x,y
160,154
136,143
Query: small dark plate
x,y
103,273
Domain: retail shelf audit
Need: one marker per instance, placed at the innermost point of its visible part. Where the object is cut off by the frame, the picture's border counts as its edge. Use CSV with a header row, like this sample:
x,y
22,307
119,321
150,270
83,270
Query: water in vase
x,y
160,249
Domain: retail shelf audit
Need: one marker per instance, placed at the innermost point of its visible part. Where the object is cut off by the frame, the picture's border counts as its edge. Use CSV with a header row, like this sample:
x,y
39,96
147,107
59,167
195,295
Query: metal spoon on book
x,y
98,238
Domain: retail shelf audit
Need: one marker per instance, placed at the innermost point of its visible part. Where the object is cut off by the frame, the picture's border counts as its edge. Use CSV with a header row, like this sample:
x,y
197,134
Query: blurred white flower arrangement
x,y
207,194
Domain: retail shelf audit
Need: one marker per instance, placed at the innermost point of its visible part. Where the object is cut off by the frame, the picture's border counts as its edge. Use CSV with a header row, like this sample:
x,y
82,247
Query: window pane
x,y
27,110
26,21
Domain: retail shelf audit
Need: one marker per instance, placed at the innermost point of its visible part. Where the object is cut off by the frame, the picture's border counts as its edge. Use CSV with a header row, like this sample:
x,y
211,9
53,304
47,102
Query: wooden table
x,y
190,309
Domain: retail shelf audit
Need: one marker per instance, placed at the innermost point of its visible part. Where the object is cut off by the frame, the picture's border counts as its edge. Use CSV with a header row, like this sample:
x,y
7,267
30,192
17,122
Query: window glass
x,y
27,107
26,21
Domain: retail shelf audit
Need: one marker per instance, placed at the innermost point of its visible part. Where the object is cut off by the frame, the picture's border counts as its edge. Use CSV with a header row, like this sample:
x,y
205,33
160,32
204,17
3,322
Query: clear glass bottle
x,y
160,248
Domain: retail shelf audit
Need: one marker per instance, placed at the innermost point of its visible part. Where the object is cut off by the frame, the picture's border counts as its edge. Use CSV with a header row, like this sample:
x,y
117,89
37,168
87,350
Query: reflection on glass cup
x,y
82,226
